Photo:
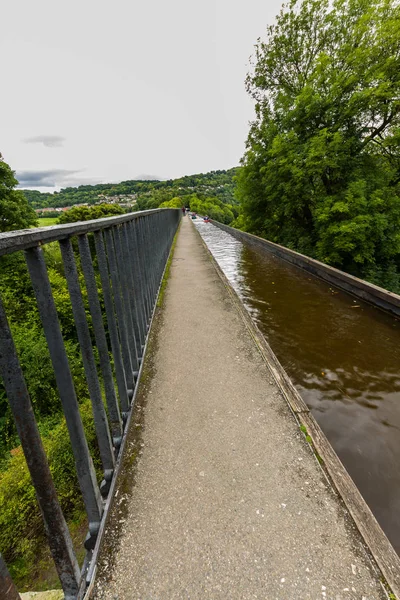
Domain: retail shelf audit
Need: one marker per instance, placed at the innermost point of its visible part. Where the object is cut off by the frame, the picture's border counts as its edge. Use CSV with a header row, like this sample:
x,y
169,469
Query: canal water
x,y
342,355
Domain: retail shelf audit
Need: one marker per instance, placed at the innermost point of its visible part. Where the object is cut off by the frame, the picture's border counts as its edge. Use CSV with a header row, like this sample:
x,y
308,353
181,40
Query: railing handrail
x,y
21,239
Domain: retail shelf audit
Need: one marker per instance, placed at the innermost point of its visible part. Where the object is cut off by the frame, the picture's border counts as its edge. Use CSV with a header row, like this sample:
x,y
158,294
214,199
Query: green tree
x,y
15,212
173,203
87,213
321,170
212,207
141,194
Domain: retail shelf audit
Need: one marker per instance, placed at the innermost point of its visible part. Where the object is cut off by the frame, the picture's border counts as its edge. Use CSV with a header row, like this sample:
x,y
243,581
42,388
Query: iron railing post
x,y
56,528
123,391
124,287
101,341
142,250
84,464
120,311
130,291
89,364
136,281
135,295
150,261
139,281
8,591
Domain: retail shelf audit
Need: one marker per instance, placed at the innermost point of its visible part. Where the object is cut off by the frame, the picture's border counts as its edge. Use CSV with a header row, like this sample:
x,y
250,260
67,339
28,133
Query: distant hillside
x,y
142,193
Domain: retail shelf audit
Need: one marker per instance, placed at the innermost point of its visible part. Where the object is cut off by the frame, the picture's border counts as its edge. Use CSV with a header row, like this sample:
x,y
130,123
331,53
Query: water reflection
x,y
342,355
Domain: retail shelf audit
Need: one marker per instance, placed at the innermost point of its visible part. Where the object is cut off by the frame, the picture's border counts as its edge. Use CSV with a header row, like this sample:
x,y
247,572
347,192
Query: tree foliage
x,y
15,212
211,206
173,203
87,213
147,194
321,171
214,208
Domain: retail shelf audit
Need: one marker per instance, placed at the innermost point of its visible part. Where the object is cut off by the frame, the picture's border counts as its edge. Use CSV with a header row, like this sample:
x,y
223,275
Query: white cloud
x,y
135,87
51,141
46,179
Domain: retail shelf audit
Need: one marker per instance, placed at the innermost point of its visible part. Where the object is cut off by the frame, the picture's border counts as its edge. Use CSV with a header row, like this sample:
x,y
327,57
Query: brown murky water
x,y
343,357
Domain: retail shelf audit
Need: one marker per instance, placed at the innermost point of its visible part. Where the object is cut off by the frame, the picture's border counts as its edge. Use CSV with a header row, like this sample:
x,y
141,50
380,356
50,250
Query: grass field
x,y
45,221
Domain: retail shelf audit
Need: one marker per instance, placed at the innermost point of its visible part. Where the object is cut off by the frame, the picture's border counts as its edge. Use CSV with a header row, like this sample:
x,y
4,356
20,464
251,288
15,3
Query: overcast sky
x,y
96,91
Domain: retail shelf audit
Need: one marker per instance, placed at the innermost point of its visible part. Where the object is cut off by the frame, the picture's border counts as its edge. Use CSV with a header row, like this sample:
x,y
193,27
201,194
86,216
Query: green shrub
x,y
21,526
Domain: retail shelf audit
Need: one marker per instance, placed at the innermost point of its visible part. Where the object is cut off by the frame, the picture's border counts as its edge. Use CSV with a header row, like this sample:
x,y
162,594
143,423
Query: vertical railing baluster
x,y
157,242
124,283
163,244
145,246
112,323
8,590
154,247
143,256
56,528
154,244
131,289
101,341
140,276
159,247
135,278
89,364
120,311
84,464
137,282
150,261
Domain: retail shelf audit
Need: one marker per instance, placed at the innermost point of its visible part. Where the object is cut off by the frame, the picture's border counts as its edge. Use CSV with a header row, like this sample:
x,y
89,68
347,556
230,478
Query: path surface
x,y
228,503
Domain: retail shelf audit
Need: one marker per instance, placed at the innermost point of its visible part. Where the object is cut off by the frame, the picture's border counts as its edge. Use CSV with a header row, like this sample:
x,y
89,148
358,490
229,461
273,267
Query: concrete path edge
x,y
49,595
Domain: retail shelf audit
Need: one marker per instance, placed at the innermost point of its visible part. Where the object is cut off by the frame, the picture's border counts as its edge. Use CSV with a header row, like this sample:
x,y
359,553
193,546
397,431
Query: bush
x,y
21,526
87,213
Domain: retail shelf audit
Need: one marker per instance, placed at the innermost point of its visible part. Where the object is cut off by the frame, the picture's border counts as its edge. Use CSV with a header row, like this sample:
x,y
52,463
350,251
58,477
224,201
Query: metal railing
x,y
128,256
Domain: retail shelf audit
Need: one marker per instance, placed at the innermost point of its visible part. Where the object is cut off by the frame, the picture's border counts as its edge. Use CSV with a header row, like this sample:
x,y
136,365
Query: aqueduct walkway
x,y
225,499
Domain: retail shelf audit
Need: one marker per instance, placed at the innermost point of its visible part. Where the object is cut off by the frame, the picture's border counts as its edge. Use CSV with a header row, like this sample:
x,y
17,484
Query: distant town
x,y
125,200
